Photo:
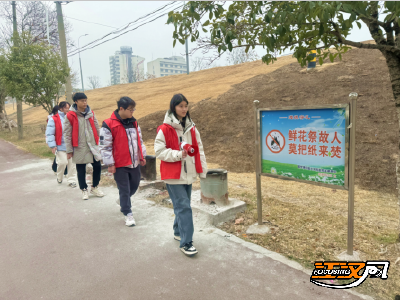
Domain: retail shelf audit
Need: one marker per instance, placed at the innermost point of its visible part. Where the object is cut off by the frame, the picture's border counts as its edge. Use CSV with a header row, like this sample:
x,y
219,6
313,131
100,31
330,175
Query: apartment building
x,y
167,66
126,67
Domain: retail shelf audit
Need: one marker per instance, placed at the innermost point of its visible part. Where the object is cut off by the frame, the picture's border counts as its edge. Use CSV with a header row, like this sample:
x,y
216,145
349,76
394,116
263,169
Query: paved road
x,y
54,245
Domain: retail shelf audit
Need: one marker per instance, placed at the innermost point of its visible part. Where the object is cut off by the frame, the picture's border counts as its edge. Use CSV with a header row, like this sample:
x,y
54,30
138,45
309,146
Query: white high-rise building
x,y
125,67
167,66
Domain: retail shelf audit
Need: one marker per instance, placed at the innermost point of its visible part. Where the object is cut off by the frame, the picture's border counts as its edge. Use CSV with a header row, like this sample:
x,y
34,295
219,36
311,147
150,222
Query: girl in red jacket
x,y
178,169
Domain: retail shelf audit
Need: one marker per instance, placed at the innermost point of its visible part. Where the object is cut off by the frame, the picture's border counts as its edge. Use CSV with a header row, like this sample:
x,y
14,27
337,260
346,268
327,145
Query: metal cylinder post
x,y
149,171
258,161
352,160
214,188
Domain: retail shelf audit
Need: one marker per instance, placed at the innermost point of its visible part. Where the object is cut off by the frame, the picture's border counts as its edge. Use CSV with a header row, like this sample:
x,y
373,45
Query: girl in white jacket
x,y
178,169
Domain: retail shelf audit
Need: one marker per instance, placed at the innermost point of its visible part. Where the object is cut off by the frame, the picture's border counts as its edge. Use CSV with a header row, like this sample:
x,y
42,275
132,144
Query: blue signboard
x,y
305,144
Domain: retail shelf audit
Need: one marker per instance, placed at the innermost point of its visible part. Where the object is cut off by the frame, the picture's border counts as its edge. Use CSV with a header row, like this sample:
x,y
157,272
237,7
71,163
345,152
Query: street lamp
x,y
80,65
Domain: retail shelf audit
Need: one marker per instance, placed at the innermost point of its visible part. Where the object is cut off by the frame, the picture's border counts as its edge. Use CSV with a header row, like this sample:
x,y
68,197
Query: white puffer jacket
x,y
169,155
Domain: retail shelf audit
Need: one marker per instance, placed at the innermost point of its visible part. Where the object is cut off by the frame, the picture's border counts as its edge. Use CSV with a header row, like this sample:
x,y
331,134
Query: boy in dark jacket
x,y
122,150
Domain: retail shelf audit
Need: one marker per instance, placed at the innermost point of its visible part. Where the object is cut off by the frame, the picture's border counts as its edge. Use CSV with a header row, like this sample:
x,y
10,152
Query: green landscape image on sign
x,y
304,144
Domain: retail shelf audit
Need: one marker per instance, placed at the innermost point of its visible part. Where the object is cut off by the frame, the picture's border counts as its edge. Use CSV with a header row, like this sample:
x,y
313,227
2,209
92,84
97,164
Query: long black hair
x,y
176,100
63,104
55,110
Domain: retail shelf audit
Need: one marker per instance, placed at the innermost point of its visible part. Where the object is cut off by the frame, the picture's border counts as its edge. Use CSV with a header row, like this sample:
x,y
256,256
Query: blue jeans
x,y
183,224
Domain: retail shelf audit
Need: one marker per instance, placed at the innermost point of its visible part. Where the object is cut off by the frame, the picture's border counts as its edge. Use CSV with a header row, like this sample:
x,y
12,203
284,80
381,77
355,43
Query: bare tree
x,y
149,76
31,17
239,56
124,79
203,63
94,82
138,75
75,79
200,63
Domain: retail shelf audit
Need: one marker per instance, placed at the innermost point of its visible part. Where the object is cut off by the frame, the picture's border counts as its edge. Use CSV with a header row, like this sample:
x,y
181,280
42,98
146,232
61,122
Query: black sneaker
x,y
189,249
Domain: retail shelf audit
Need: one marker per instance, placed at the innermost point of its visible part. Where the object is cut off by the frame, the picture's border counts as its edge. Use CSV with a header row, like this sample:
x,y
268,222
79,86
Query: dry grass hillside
x,y
12,108
226,123
154,95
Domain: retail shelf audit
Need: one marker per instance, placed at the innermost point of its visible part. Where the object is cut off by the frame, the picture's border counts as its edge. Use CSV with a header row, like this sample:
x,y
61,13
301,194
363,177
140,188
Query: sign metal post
x,y
352,160
319,149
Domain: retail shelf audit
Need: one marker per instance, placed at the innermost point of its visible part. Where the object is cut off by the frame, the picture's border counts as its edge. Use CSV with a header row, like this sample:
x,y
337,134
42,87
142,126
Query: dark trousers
x,y
183,224
81,170
54,167
128,180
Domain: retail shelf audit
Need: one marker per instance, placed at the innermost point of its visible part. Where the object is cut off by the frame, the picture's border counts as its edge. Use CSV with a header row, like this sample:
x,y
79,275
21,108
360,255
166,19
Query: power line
x,y
90,22
153,12
123,32
143,18
127,25
81,50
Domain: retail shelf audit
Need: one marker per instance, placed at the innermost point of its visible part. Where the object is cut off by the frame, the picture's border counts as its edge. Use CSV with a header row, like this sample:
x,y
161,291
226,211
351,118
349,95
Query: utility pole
x,y
187,52
63,45
19,101
80,65
187,56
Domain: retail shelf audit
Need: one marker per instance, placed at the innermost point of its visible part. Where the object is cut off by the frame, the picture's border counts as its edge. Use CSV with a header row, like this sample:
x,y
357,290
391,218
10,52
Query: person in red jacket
x,y
178,169
123,151
55,140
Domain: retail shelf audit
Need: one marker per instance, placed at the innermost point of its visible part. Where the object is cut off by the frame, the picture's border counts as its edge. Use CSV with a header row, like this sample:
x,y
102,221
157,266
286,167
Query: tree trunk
x,y
393,63
2,106
3,113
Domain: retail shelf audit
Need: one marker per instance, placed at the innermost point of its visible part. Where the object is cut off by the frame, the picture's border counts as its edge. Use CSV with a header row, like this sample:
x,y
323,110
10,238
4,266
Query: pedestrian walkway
x,y
54,245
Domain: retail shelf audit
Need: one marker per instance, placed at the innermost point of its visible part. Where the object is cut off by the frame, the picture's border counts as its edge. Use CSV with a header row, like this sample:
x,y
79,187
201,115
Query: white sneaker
x,y
189,249
96,191
85,195
129,220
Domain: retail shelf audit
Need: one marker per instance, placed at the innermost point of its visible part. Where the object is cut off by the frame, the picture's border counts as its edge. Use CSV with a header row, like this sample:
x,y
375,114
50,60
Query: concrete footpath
x,y
53,245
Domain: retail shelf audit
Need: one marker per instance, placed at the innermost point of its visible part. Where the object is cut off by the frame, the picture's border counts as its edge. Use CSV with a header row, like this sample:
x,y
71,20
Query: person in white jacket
x,y
178,169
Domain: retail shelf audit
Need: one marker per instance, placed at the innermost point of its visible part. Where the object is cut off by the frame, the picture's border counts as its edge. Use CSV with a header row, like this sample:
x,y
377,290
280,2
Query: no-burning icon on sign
x,y
275,141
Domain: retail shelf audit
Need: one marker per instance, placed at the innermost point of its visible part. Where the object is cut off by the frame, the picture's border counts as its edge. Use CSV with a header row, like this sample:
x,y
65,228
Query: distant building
x,y
167,66
125,67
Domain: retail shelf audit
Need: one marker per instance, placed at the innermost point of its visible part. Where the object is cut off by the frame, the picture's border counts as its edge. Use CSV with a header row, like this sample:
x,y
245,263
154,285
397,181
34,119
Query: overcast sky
x,y
151,41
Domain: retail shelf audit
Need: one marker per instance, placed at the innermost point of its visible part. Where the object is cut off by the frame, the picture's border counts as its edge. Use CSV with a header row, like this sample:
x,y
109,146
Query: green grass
x,y
292,171
387,239
34,141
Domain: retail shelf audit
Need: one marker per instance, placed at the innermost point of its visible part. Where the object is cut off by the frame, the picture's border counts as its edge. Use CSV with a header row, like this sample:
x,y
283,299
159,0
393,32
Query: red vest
x,y
58,125
73,119
172,170
121,154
